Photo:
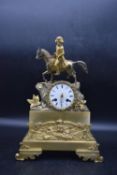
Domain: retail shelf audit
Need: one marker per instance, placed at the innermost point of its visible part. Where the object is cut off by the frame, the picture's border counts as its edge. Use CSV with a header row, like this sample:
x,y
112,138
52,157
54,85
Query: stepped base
x,y
50,131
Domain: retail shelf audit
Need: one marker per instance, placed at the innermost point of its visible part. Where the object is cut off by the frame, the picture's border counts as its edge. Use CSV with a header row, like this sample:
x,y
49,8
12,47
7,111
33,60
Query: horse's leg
x,y
75,78
51,77
68,74
71,72
43,75
74,74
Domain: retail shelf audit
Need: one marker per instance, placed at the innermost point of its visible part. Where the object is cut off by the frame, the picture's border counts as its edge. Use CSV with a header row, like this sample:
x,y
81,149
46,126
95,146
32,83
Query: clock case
x,y
59,130
78,104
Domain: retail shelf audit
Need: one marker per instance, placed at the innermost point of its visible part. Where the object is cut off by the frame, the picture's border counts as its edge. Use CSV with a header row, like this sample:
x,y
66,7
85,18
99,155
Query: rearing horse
x,y
51,68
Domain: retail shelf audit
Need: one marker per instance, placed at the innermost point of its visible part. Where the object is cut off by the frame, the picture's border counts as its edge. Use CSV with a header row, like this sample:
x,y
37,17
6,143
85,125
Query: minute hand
x,y
61,100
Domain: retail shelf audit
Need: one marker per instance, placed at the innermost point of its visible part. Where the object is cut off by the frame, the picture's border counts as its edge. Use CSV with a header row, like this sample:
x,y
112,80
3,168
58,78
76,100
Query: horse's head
x,y
42,53
39,54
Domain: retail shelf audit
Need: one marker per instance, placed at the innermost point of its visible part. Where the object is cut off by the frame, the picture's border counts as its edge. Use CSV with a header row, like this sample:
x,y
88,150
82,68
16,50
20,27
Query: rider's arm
x,y
60,51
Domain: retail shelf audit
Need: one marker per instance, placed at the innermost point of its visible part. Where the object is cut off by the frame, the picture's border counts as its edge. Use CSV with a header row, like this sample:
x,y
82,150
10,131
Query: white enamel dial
x,y
61,96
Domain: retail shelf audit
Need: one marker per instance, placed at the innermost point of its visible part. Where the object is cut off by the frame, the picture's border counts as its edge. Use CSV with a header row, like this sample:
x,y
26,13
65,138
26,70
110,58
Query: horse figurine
x,y
51,67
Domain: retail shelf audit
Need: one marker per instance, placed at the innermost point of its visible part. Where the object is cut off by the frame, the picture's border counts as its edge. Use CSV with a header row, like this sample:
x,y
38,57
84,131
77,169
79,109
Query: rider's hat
x,y
59,39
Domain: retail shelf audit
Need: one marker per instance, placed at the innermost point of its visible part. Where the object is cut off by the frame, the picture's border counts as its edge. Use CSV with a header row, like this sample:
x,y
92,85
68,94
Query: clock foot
x,y
28,153
89,155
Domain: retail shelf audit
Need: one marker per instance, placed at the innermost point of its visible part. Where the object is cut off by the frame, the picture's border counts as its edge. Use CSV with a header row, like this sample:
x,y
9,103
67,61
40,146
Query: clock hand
x,y
61,103
61,99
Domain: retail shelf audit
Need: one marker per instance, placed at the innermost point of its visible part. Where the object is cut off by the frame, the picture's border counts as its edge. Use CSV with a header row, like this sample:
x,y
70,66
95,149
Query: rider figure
x,y
59,54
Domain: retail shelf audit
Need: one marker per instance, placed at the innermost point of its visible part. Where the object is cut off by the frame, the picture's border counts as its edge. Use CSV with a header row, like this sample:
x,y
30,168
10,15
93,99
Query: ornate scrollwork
x,y
59,130
44,89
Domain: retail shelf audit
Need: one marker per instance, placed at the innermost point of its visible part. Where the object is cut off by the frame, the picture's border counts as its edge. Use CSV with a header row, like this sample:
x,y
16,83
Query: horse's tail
x,y
82,64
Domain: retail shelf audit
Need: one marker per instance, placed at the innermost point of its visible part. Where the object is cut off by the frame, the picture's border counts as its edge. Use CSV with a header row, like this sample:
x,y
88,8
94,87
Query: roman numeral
x,y
68,100
71,96
69,91
54,99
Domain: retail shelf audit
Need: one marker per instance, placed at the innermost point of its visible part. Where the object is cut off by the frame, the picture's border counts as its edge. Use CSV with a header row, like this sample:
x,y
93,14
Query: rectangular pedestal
x,y
60,131
44,116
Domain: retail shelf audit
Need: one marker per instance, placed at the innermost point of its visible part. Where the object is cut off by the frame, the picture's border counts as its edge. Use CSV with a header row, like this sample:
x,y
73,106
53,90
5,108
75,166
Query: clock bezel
x,y
72,86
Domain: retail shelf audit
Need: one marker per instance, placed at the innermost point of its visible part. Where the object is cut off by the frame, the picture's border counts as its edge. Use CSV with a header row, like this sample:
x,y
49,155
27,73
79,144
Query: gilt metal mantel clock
x,y
59,118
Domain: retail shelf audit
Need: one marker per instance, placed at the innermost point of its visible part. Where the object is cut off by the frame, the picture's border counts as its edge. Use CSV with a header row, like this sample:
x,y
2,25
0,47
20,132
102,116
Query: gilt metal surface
x,y
60,130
